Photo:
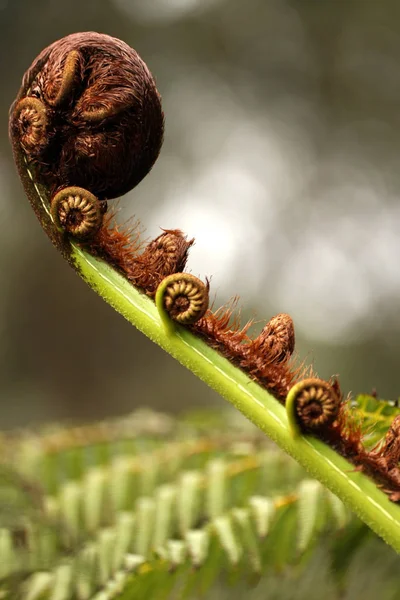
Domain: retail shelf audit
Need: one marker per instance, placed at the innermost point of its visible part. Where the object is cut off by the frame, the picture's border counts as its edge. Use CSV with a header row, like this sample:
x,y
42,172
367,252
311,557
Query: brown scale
x,y
165,255
276,341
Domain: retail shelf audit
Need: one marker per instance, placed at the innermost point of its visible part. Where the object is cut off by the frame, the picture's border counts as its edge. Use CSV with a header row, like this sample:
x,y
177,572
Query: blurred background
x,y
282,159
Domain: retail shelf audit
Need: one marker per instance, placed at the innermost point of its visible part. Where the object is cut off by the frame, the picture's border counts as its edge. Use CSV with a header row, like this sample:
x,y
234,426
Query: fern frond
x,y
158,513
376,417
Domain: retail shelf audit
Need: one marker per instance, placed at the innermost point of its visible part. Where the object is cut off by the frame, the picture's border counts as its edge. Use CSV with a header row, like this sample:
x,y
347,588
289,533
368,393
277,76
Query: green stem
x,y
355,489
291,410
169,325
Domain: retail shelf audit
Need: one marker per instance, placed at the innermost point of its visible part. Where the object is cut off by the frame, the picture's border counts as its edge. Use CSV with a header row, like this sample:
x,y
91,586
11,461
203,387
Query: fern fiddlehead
x,y
82,134
77,212
182,298
312,405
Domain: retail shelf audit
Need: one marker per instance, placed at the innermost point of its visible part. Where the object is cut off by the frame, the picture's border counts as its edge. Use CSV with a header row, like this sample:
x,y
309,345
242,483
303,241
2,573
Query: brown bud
x,y
168,253
275,344
91,116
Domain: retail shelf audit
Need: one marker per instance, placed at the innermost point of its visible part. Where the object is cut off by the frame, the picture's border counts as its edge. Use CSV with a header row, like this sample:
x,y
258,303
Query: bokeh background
x,y
282,159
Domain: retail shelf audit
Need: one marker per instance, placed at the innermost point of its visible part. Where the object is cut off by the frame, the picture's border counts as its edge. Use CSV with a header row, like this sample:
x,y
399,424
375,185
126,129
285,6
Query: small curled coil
x,y
183,298
312,405
32,123
77,212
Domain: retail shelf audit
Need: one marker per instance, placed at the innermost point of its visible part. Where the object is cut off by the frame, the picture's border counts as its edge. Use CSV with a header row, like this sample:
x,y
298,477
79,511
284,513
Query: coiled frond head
x,y
31,122
96,112
312,405
183,298
77,212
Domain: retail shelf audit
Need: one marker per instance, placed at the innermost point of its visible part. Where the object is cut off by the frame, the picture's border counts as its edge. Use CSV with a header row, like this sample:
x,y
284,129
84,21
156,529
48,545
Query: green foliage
x,y
376,417
149,506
